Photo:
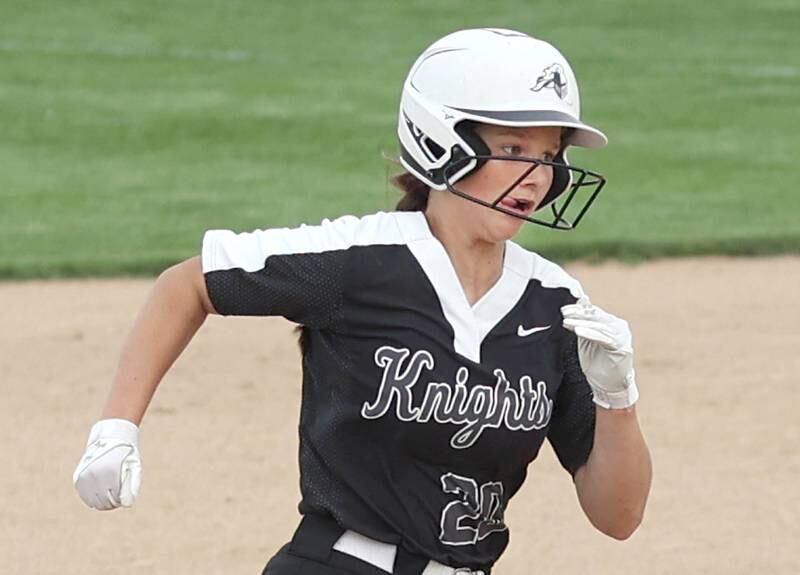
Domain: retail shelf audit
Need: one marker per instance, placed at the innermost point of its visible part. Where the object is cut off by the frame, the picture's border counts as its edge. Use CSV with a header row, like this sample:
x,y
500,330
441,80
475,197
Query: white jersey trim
x,y
552,275
471,323
224,249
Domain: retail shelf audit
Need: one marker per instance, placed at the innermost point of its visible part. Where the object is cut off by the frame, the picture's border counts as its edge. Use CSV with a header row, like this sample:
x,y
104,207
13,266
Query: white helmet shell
x,y
491,76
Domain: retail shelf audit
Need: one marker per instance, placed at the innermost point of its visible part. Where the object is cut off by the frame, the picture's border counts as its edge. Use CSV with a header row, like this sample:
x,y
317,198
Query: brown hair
x,y
415,193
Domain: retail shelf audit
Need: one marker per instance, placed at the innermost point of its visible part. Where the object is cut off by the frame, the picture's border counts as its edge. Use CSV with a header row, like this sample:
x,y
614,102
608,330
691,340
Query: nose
x,y
538,180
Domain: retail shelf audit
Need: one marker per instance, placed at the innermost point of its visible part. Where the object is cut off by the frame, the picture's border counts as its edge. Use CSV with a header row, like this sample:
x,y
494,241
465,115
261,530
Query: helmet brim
x,y
585,135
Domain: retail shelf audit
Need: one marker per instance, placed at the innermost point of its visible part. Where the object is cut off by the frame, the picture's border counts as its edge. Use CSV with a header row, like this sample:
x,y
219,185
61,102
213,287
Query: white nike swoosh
x,y
522,332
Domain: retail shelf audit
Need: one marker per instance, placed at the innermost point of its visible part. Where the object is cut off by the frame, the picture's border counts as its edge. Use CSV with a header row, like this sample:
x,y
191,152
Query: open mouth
x,y
517,206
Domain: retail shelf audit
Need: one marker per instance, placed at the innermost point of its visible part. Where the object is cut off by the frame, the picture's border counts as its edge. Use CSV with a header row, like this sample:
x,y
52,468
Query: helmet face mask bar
x,y
564,212
497,77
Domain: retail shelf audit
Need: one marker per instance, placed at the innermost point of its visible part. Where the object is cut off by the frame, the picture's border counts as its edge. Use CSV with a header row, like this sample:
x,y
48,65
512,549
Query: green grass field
x,y
128,128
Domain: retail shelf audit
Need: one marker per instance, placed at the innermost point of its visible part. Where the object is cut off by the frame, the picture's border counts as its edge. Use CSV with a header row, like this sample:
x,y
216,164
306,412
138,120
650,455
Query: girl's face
x,y
496,176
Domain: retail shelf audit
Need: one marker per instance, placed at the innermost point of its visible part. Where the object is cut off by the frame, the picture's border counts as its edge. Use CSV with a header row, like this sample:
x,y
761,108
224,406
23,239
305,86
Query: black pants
x,y
311,553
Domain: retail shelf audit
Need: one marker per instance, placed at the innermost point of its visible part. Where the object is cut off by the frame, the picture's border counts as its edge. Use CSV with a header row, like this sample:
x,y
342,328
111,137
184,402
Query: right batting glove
x,y
110,472
605,352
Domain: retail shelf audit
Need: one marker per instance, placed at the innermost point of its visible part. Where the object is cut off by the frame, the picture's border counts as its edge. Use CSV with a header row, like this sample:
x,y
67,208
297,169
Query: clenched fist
x,y
110,472
605,352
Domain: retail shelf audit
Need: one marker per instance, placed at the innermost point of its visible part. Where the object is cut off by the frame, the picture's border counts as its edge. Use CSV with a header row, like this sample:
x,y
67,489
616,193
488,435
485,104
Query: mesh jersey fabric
x,y
420,412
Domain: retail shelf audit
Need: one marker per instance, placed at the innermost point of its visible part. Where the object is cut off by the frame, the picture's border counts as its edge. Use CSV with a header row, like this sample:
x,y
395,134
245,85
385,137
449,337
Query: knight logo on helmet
x,y
503,78
552,77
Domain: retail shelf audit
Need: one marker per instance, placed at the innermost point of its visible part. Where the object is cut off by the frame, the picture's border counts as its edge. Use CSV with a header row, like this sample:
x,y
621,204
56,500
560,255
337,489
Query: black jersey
x,y
420,412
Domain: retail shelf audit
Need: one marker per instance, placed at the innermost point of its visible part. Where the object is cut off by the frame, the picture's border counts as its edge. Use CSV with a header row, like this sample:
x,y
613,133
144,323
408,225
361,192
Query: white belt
x,y
382,555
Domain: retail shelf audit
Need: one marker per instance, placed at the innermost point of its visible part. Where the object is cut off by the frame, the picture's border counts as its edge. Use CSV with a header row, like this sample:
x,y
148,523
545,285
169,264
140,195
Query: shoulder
x,y
536,268
380,228
226,249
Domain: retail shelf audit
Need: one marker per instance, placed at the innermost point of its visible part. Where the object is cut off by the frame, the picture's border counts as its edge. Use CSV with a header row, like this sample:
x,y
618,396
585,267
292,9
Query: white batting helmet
x,y
490,76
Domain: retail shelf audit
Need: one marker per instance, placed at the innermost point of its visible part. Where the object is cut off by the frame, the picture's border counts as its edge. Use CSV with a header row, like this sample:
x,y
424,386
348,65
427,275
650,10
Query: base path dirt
x,y
718,363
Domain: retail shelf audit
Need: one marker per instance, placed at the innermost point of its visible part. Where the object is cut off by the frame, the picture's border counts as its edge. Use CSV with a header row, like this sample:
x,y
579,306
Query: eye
x,y
512,149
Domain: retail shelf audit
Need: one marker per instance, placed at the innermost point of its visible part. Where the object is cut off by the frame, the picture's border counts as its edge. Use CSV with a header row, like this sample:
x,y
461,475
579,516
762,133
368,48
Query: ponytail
x,y
415,193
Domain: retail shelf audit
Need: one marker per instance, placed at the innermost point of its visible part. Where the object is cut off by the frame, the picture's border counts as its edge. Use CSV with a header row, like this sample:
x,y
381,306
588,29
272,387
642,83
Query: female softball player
x,y
438,355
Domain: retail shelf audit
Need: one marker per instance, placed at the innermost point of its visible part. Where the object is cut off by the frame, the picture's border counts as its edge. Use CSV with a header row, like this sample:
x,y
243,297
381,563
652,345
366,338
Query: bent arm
x,y
614,483
176,308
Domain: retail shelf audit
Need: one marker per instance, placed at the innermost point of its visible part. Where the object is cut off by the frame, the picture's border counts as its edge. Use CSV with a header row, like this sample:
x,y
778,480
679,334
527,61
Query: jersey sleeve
x,y
294,273
572,424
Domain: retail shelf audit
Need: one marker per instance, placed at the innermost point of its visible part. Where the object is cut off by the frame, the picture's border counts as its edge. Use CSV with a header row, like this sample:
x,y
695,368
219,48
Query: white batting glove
x,y
110,473
605,352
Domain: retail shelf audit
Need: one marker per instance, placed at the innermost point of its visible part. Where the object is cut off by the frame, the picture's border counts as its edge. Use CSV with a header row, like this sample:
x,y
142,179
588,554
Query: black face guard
x,y
567,182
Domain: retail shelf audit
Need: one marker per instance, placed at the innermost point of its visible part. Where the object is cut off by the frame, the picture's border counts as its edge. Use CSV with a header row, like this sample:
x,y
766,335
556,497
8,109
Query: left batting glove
x,y
110,472
605,352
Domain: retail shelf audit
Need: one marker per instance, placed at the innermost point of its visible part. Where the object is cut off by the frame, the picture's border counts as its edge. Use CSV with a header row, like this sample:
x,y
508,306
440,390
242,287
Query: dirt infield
x,y
718,363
